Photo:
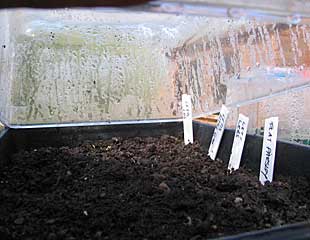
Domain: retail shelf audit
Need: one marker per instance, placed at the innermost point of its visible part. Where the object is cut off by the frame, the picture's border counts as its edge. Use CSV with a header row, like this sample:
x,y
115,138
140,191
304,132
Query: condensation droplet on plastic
x,y
294,19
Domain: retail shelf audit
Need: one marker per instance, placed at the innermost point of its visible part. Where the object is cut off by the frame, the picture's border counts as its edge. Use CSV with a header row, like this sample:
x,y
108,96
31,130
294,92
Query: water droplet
x,y
294,19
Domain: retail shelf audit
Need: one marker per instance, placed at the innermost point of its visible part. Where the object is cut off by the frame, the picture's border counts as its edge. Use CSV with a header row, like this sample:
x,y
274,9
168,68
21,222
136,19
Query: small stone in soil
x,y
62,232
214,227
19,221
98,234
279,222
50,221
189,221
52,236
267,225
164,187
102,195
196,237
238,200
115,139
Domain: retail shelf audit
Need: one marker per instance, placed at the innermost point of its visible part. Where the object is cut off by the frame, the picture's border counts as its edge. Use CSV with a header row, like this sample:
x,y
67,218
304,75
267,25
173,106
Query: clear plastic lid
x,y
98,65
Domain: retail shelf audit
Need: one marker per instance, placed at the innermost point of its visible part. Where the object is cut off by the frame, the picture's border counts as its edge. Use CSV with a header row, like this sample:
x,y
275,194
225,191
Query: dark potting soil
x,y
140,188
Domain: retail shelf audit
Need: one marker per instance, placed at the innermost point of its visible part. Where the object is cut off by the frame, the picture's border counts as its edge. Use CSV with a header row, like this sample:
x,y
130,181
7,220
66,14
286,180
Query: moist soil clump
x,y
139,188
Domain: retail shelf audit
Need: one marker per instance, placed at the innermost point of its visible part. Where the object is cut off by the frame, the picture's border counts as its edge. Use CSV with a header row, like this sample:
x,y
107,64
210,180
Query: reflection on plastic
x,y
74,66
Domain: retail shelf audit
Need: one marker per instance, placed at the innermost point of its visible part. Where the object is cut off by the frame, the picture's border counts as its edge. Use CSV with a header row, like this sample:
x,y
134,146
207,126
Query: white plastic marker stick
x,y
269,150
187,119
218,132
238,144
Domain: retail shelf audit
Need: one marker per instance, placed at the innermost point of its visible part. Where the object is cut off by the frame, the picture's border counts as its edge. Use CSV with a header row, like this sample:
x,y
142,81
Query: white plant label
x,y
269,150
218,132
238,144
187,119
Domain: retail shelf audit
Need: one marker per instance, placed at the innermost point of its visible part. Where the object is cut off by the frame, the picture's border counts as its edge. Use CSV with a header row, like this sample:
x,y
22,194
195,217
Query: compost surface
x,y
140,188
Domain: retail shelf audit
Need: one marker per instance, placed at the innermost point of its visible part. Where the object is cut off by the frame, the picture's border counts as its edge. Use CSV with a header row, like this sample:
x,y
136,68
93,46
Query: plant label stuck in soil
x,y
187,119
269,150
238,144
218,132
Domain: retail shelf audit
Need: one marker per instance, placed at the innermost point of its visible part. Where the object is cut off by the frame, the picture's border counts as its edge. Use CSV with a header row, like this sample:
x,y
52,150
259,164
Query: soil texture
x,y
139,188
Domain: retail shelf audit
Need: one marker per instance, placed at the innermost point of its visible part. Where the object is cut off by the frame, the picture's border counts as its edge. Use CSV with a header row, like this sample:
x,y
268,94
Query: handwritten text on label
x,y
187,119
269,150
218,133
238,144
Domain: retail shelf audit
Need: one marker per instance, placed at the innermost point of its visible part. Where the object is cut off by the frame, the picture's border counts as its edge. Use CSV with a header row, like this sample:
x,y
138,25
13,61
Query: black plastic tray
x,y
291,159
